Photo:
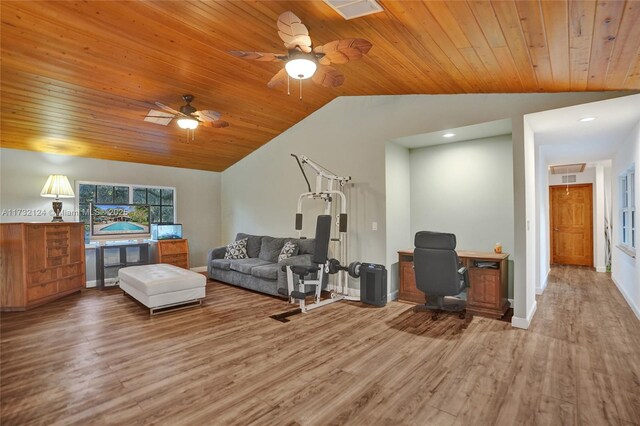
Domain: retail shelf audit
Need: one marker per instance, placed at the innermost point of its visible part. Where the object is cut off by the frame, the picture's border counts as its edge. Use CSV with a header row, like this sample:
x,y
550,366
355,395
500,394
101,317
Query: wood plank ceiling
x,y
79,77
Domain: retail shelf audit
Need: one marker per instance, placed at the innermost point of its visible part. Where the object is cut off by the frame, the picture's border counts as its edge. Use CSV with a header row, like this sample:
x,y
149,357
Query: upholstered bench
x,y
162,287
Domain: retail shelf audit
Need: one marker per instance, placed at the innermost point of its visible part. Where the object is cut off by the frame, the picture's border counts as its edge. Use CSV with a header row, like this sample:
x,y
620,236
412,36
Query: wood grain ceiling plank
x,y
412,26
452,26
581,17
465,65
534,33
556,18
623,57
491,66
507,15
633,76
488,23
605,28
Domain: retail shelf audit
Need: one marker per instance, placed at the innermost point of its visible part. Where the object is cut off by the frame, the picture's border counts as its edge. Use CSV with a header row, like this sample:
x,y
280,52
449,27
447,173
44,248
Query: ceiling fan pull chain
x,y
288,88
300,89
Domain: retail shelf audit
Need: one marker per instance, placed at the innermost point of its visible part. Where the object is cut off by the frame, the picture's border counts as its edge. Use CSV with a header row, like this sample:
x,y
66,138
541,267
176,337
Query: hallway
x,y
591,340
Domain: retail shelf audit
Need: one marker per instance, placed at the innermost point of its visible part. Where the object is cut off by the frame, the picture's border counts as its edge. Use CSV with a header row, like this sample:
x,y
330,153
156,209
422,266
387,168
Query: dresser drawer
x,y
73,283
40,277
180,260
173,247
42,290
71,270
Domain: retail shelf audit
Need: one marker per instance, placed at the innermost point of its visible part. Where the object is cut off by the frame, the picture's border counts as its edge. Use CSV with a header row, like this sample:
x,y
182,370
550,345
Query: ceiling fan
x,y
187,118
302,61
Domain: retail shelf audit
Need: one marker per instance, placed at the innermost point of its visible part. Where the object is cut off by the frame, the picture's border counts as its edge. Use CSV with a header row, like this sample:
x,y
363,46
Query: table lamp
x,y
57,186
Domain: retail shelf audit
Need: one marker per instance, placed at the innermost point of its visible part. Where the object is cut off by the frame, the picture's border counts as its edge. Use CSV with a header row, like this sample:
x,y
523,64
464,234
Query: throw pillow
x,y
289,249
271,248
237,250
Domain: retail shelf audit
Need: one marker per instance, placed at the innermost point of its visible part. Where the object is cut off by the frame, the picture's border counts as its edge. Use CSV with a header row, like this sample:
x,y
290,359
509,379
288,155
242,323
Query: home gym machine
x,y
323,266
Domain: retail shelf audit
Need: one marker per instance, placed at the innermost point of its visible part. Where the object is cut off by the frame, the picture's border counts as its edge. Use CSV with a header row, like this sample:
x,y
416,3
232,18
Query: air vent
x,y
569,179
350,9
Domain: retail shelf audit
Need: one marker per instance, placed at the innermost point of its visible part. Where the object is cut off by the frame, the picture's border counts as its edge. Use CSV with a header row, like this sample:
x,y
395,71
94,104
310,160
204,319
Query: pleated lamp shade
x,y
57,186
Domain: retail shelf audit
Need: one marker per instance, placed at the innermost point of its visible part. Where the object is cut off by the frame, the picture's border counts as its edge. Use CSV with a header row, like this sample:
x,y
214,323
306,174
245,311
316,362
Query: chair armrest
x,y
216,253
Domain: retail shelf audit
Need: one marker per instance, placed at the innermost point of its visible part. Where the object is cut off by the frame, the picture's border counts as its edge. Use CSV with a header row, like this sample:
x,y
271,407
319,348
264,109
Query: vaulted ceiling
x,y
78,78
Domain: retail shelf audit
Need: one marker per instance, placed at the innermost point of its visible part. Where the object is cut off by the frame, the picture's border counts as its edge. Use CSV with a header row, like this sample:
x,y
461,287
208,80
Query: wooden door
x,y
571,216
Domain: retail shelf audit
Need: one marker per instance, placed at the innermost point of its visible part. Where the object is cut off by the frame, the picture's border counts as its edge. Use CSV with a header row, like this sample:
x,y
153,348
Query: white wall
x,y
24,173
465,188
348,136
398,189
542,218
625,270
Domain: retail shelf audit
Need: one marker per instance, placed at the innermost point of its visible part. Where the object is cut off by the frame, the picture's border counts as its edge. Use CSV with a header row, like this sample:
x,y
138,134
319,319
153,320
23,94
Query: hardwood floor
x,y
98,358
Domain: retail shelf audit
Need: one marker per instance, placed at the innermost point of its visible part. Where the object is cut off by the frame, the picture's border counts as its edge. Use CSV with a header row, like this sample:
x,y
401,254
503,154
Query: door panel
x,y
571,214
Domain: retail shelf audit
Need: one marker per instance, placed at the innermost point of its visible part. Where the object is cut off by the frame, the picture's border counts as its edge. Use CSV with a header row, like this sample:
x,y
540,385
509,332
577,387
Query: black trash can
x,y
373,284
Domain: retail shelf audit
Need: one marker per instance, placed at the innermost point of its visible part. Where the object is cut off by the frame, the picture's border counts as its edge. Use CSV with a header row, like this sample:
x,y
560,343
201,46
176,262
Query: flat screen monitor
x,y
119,220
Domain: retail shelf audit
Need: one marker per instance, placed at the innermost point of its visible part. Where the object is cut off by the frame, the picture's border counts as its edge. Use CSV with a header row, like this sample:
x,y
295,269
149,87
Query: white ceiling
x,y
564,139
476,131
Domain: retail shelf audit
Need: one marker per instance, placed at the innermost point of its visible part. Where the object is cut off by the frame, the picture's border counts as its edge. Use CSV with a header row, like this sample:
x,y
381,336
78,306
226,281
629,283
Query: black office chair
x,y
438,271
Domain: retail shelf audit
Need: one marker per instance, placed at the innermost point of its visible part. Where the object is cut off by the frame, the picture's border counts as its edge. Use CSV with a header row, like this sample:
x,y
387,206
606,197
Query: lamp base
x,y
57,208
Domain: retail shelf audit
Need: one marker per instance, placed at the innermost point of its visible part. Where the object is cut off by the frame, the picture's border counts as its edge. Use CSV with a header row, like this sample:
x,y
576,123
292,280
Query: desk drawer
x,y
42,290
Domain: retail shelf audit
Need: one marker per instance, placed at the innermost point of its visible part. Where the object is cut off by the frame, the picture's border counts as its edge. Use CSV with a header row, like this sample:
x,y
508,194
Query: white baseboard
x,y
601,269
392,296
543,284
353,292
510,302
199,269
92,284
632,305
524,323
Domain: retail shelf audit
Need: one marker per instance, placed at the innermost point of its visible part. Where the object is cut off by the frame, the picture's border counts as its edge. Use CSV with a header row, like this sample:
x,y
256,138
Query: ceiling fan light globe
x,y
187,123
300,68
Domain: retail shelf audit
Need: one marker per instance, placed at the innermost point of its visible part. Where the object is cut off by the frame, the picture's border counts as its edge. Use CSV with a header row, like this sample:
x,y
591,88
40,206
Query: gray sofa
x,y
261,271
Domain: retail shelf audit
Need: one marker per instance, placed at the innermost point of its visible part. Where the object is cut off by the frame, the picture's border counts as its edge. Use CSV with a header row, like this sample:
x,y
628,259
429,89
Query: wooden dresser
x,y
173,252
40,262
487,292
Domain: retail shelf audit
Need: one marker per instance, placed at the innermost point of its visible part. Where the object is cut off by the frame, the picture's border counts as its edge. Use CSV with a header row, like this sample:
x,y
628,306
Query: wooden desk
x,y
487,292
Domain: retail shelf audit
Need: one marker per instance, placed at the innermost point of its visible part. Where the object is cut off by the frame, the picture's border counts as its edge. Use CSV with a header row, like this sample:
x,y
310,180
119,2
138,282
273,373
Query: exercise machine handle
x,y
302,170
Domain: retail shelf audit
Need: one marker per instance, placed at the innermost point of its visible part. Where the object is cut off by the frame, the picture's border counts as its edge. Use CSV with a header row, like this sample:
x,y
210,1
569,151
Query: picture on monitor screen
x,y
119,219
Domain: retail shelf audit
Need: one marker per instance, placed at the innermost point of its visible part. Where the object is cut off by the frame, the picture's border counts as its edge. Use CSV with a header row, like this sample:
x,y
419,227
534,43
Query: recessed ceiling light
x,y
586,119
448,135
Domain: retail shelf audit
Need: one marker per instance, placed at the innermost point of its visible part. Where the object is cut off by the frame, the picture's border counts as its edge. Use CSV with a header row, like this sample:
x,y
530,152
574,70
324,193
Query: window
x,y
628,209
160,199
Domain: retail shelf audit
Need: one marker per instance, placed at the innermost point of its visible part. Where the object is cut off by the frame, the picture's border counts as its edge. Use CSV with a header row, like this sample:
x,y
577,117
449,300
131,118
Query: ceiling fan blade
x,y
278,79
328,76
293,32
168,109
343,51
159,117
216,124
207,115
258,56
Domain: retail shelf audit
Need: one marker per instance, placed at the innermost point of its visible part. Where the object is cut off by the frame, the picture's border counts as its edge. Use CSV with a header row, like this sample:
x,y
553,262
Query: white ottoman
x,y
162,286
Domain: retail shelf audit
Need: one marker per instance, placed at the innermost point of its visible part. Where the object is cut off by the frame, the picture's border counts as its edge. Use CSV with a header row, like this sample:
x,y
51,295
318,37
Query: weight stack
x,y
373,284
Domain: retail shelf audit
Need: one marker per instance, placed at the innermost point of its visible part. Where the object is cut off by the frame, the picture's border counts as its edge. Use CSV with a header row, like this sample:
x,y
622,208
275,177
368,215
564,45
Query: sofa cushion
x,y
237,250
289,249
269,271
245,265
271,248
306,245
254,242
224,264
